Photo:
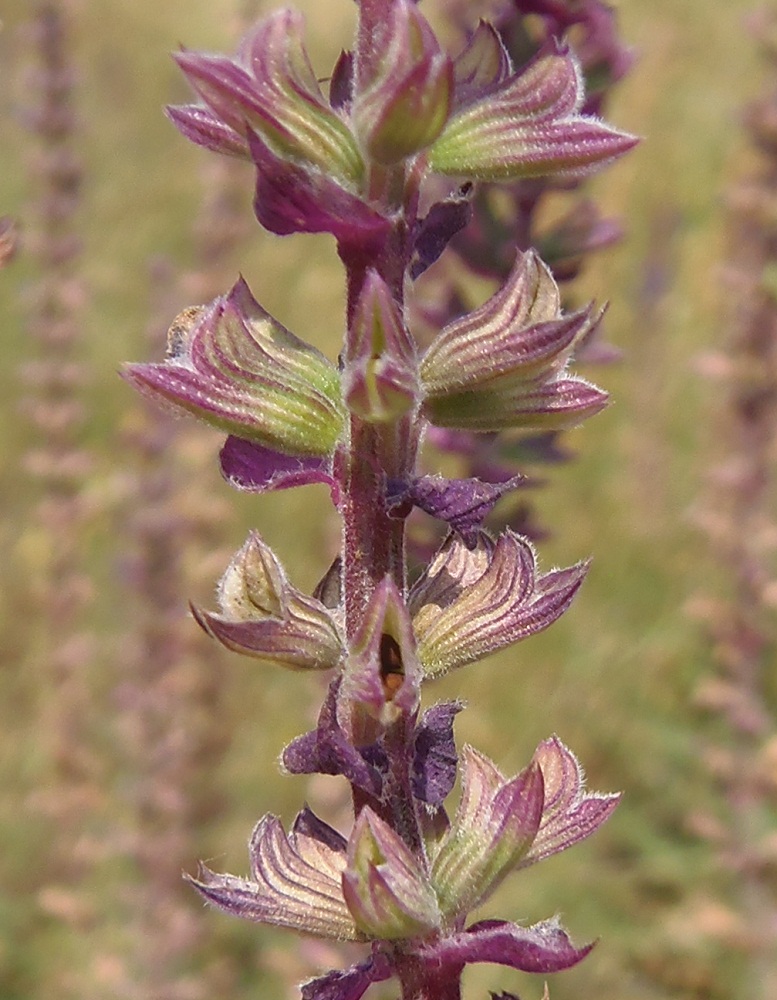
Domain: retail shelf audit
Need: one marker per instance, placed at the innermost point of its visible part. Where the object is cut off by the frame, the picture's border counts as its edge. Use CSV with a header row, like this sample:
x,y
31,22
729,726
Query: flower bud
x,y
270,89
407,100
493,828
380,380
238,369
386,890
382,674
469,603
503,364
264,616
295,880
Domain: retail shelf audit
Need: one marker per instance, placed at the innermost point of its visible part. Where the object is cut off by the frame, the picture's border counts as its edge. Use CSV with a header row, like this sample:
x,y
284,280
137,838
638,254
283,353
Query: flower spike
x,y
354,160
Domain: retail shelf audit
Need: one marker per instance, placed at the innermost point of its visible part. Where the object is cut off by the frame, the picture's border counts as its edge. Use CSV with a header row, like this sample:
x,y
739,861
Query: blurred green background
x,y
614,678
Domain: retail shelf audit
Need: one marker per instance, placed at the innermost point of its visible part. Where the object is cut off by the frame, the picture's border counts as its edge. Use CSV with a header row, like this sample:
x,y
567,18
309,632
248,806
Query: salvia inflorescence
x,y
385,159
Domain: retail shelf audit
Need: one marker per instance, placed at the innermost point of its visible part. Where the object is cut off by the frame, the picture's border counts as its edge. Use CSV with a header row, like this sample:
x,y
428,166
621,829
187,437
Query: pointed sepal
x,y
472,602
389,895
203,127
494,826
295,880
528,126
264,616
234,366
403,105
570,813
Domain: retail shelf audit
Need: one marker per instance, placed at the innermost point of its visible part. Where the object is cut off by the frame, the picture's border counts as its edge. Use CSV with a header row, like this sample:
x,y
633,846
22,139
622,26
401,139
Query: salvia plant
x,y
356,161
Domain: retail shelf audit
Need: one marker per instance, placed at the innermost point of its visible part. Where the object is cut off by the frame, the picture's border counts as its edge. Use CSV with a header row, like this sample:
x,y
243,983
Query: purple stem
x,y
420,982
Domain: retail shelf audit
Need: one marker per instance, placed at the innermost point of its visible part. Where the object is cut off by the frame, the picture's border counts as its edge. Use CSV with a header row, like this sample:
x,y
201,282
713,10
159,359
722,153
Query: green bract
x,y
238,369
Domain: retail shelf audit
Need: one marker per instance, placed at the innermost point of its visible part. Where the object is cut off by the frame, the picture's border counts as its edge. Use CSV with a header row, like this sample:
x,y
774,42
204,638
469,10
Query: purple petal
x,y
435,757
463,503
438,227
341,83
307,824
326,750
544,947
251,467
351,984
224,86
292,199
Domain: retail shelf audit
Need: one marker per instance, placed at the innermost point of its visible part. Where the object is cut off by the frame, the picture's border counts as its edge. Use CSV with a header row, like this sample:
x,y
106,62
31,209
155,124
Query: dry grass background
x,y
614,678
